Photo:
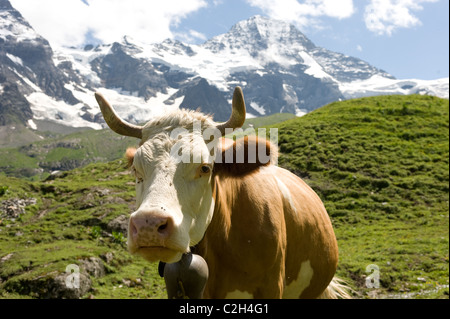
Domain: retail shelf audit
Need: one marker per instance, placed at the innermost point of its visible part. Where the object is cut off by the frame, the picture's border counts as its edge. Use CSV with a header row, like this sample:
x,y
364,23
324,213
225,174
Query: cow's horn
x,y
237,117
114,121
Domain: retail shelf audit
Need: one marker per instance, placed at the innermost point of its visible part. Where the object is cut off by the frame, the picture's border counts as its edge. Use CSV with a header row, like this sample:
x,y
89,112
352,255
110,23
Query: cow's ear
x,y
244,156
129,154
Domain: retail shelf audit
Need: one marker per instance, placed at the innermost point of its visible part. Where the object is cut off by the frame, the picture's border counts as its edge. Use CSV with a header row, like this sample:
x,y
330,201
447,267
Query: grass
x,y
379,164
381,167
267,120
37,160
68,224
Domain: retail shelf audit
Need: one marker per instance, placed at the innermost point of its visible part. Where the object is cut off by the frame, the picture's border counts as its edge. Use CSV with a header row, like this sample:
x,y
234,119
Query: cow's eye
x,y
205,169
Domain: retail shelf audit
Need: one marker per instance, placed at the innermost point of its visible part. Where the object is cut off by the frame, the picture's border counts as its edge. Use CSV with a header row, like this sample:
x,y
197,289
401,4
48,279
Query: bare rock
x,y
119,224
14,207
93,266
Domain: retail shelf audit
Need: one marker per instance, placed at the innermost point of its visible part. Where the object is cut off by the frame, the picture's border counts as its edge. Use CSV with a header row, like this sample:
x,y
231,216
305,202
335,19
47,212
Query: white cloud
x,y
191,36
67,22
385,16
305,13
359,48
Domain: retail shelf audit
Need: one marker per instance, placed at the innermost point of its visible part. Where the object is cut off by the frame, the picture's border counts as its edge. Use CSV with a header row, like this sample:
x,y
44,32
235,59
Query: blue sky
x,y
407,38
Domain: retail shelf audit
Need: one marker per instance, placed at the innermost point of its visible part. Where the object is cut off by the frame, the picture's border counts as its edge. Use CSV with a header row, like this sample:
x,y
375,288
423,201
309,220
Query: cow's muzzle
x,y
150,228
150,235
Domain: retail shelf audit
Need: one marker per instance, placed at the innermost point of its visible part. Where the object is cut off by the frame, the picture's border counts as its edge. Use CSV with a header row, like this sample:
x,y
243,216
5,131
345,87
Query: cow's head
x,y
173,167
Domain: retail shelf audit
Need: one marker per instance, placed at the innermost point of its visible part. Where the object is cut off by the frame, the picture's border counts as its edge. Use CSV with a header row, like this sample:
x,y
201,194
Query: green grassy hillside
x,y
37,160
77,149
379,164
70,219
265,121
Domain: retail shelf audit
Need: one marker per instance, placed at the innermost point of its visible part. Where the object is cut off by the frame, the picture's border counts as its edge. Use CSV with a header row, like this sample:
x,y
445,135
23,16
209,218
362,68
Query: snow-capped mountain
x,y
27,71
278,67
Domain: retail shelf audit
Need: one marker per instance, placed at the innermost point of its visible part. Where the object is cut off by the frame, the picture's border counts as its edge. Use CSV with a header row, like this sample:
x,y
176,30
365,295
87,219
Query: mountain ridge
x,y
278,67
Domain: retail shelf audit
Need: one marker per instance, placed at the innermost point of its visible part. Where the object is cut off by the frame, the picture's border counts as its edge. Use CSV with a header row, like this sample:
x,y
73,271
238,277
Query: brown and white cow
x,y
263,232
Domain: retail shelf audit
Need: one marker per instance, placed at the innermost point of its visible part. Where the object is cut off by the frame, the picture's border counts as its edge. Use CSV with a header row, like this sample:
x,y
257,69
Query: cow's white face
x,y
173,168
174,196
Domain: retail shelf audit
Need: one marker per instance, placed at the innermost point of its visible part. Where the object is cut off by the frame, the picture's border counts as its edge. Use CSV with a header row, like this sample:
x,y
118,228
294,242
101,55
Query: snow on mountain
x,y
377,85
279,68
33,87
314,68
12,24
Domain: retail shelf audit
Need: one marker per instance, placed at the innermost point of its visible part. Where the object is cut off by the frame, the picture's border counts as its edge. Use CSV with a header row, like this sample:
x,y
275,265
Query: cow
x,y
263,232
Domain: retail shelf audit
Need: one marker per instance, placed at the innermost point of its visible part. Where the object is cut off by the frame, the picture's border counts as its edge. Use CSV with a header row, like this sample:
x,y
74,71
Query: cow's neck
x,y
215,246
220,223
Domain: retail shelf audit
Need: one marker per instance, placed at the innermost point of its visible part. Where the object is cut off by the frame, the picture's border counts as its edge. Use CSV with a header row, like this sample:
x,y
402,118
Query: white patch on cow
x,y
285,192
296,288
237,294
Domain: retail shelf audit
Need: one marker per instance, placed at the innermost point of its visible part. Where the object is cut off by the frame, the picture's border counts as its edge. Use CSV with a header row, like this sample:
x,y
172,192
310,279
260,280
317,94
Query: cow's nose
x,y
149,229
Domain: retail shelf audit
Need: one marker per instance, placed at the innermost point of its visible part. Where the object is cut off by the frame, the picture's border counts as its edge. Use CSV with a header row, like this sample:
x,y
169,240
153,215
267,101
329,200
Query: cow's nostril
x,y
162,227
165,228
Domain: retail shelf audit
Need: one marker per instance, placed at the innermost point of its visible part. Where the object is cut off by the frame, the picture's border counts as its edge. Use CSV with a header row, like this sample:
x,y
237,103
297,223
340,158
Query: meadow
x,y
380,165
